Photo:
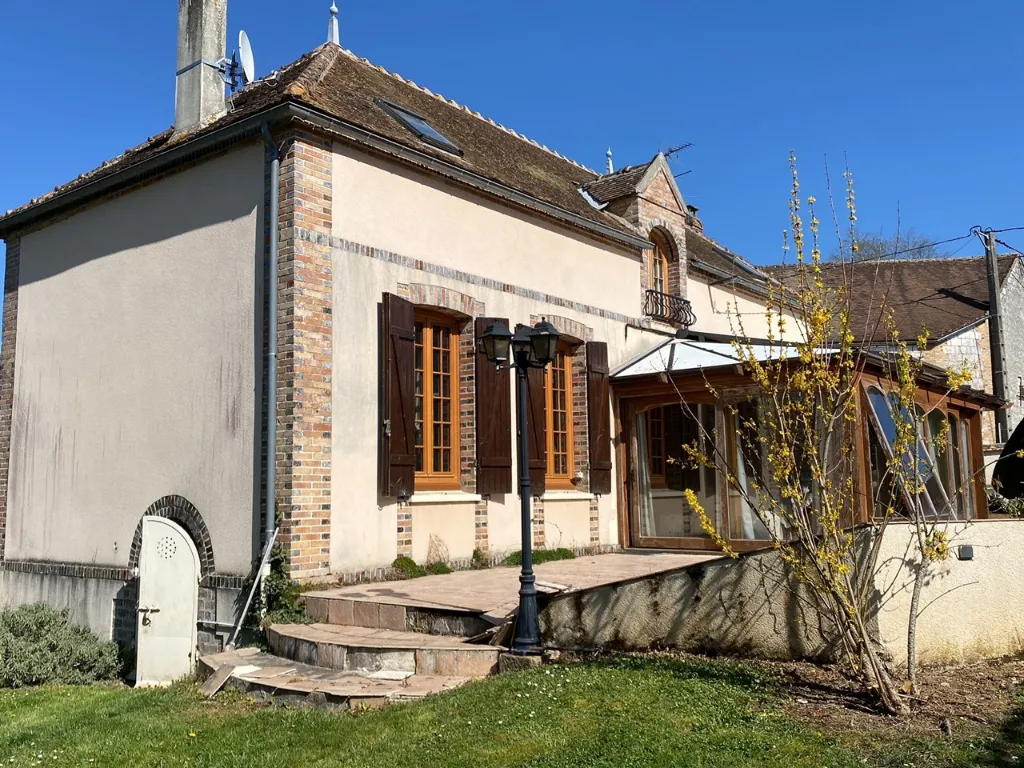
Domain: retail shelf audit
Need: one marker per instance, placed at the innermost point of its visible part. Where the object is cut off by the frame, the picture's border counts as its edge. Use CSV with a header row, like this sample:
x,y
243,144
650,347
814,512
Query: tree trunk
x,y
915,601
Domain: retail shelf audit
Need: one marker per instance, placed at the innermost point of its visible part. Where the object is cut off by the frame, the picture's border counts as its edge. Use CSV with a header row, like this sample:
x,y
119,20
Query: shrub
x,y
39,645
479,560
540,556
406,568
438,568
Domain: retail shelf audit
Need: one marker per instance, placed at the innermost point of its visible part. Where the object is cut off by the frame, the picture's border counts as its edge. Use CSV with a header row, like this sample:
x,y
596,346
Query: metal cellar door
x,y
168,603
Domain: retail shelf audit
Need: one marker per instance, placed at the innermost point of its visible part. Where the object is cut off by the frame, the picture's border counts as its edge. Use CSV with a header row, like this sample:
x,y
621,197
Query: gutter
x,y
251,127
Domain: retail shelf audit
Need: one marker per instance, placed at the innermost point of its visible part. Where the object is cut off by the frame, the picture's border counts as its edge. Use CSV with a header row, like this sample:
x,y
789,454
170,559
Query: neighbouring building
x,y
948,299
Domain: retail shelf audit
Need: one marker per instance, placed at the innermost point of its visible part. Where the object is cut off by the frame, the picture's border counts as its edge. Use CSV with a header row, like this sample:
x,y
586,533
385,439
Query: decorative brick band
x,y
339,244
109,573
184,513
305,356
443,298
70,570
8,345
572,328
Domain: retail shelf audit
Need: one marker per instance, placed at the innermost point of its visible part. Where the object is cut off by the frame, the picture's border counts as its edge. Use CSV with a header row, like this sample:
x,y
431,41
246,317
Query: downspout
x,y
269,518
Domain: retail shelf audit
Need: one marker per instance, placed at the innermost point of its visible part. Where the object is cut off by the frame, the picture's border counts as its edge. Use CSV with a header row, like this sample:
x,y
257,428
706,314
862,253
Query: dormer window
x,y
419,126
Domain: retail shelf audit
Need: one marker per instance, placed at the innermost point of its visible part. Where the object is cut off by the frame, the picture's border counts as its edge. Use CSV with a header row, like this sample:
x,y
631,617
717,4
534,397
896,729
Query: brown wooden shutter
x,y
537,424
493,419
398,397
599,417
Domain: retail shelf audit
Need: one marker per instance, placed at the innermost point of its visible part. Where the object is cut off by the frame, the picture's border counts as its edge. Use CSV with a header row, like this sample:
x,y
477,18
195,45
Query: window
x,y
658,263
925,465
662,432
656,445
558,407
419,126
437,407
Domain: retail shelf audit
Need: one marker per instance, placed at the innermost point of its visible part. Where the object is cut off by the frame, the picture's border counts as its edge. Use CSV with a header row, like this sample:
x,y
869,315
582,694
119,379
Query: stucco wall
x,y
136,369
742,607
453,239
970,609
720,309
90,602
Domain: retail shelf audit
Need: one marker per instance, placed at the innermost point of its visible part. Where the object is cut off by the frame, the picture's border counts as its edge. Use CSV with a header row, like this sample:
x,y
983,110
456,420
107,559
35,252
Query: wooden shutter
x,y
599,417
493,419
398,397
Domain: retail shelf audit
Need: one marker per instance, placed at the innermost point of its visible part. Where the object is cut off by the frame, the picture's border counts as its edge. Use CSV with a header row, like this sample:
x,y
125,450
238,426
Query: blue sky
x,y
924,98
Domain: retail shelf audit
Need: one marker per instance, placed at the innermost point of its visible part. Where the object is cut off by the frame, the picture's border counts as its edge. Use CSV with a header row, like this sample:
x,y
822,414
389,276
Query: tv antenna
x,y
241,66
677,149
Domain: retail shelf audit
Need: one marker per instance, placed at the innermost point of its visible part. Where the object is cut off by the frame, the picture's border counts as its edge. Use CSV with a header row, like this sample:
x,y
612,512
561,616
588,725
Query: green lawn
x,y
629,712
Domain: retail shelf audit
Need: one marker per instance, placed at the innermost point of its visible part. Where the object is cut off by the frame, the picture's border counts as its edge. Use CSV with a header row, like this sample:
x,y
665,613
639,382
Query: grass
x,y
624,713
540,556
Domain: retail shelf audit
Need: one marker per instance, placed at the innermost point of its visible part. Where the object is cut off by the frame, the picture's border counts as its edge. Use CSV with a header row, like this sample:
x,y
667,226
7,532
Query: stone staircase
x,y
365,652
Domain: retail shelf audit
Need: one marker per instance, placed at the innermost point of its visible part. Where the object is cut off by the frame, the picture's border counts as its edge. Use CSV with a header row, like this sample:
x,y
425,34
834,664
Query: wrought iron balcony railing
x,y
671,309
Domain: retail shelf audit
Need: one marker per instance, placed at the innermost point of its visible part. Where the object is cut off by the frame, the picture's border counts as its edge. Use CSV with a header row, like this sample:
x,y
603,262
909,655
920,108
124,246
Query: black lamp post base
x,y
526,641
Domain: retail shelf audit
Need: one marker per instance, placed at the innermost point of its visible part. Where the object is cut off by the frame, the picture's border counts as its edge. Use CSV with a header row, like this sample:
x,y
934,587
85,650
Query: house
x,y
141,355
281,297
949,299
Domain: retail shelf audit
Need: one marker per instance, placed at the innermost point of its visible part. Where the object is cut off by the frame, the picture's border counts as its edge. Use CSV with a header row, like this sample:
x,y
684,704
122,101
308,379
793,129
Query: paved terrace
x,y
494,592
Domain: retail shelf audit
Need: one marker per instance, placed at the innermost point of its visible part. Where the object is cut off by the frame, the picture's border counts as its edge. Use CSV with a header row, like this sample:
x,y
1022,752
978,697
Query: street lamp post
x,y
529,348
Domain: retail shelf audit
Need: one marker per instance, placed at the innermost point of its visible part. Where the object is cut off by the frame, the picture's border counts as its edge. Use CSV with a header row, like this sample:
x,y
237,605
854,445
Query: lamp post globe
x,y
497,341
544,340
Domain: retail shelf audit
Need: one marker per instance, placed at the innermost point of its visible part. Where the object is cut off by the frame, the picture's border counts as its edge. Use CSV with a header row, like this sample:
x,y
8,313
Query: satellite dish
x,y
245,52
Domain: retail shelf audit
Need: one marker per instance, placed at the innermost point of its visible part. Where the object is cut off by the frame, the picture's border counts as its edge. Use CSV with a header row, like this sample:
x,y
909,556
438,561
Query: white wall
x,y
136,364
969,609
722,310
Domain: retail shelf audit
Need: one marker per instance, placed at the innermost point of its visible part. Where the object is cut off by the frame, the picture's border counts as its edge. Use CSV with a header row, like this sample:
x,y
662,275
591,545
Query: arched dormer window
x,y
658,260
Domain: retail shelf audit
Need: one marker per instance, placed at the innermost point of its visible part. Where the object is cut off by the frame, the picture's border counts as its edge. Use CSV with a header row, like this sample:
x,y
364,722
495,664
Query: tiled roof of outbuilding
x,y
939,295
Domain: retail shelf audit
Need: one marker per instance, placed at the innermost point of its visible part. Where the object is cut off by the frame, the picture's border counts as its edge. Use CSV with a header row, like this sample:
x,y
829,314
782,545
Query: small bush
x,y
438,568
540,556
406,568
479,560
40,646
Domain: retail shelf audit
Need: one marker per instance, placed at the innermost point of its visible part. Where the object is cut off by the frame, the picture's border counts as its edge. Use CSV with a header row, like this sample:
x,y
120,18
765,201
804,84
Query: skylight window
x,y
423,130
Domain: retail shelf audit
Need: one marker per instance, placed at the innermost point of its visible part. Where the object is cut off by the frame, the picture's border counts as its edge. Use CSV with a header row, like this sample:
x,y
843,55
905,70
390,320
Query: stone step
x,y
272,678
365,650
395,614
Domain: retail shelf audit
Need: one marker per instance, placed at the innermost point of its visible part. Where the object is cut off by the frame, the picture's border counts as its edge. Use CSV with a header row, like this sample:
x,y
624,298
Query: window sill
x,y
444,497
567,496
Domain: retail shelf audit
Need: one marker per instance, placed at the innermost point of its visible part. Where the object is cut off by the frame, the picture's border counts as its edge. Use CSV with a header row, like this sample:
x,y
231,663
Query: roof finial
x,y
332,31
611,167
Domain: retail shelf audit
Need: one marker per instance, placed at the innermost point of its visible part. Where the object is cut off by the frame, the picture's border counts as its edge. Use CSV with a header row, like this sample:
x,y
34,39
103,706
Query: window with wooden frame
x,y
941,459
657,263
558,408
436,402
656,446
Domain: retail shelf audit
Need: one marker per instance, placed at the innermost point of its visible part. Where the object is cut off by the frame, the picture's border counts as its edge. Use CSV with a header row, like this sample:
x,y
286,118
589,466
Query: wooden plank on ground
x,y
216,681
